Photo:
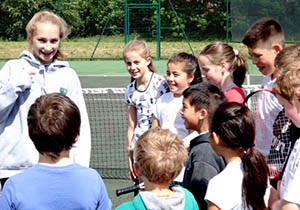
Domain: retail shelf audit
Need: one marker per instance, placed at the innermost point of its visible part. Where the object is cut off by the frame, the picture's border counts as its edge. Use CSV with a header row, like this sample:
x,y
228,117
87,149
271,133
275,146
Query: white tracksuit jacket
x,y
18,91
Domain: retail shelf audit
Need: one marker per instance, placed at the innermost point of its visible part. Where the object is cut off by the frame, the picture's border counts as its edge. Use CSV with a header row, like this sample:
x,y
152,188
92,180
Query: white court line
x,y
99,99
97,75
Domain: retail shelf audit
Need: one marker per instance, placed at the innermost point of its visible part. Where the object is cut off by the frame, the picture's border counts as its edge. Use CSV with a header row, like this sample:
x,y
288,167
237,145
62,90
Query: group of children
x,y
227,159
224,162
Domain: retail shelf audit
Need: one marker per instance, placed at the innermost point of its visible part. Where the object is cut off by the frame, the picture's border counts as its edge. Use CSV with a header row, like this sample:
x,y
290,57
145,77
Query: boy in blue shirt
x,y
199,103
55,182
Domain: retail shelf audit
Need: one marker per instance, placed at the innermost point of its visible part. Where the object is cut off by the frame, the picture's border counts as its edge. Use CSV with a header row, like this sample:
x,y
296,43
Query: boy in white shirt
x,y
264,40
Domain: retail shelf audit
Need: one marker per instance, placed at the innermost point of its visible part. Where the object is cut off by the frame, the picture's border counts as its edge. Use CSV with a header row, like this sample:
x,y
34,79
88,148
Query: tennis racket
x,y
282,137
130,189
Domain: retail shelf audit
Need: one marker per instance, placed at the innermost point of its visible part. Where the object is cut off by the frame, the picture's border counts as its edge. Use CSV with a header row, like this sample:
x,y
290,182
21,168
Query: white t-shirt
x,y
267,109
167,112
289,189
225,189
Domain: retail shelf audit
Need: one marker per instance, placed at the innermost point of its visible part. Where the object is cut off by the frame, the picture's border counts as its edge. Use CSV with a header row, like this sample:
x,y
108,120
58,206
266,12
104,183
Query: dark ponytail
x,y
234,123
255,180
239,69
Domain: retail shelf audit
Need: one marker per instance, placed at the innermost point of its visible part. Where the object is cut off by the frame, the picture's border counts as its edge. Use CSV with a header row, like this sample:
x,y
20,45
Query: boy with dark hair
x,y
199,103
160,156
55,182
265,39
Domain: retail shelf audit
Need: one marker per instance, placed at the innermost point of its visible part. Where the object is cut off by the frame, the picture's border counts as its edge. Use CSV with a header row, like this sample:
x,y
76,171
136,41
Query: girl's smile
x,y
45,42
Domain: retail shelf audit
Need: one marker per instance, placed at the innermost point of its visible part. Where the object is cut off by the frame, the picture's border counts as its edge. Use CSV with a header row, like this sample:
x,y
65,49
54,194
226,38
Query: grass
x,y
80,49
109,47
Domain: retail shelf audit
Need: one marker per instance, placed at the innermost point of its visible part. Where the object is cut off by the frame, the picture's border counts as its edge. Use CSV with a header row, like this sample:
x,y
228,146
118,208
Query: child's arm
x,y
275,203
14,79
132,121
155,122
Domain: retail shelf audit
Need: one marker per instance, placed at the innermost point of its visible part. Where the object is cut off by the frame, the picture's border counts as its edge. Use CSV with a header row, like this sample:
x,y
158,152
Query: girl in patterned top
x,y
141,94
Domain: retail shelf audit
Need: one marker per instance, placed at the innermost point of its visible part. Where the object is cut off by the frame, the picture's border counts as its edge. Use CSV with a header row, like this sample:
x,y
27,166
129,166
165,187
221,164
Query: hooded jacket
x,y
18,91
182,199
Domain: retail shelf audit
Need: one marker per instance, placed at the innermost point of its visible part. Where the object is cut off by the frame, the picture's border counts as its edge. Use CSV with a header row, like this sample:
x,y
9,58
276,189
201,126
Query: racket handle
x,y
127,190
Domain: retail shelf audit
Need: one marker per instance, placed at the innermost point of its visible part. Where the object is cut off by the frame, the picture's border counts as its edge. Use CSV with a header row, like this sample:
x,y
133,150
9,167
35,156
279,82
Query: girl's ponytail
x,y
239,68
235,124
255,180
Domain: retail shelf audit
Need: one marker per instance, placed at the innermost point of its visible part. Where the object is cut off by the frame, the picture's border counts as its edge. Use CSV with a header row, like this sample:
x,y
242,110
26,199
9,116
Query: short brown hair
x,y
53,124
287,56
160,155
264,29
287,82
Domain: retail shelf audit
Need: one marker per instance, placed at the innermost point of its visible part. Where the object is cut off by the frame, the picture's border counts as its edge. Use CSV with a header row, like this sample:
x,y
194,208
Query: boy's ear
x,y
297,93
202,114
137,170
297,102
277,48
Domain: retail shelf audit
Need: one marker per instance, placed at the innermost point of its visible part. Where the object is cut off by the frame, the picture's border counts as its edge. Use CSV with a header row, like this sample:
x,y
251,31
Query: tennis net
x,y
108,120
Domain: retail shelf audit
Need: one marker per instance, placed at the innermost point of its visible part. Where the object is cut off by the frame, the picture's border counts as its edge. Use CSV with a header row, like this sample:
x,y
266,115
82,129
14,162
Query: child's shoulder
x,y
20,63
158,77
136,203
190,201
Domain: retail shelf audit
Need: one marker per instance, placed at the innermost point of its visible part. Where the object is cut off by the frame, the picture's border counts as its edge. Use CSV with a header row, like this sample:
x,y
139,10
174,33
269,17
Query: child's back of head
x,y
160,155
266,30
287,56
288,83
53,123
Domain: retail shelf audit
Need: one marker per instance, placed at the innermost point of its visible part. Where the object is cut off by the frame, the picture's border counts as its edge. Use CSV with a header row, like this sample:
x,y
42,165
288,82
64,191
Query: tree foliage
x,y
246,12
88,17
200,19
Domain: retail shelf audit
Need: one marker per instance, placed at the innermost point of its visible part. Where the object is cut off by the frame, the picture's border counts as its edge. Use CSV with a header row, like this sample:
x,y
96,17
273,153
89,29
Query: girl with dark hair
x,y
243,183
